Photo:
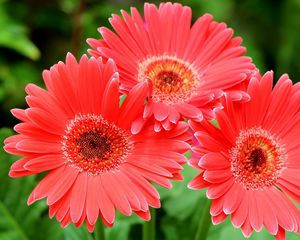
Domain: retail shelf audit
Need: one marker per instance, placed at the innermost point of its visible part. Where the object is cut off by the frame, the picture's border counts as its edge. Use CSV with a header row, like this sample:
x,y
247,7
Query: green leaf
x,y
122,227
179,202
13,79
11,224
73,233
120,231
13,35
17,220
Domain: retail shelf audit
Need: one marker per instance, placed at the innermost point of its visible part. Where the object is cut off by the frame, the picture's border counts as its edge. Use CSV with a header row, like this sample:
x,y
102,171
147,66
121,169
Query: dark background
x,y
35,34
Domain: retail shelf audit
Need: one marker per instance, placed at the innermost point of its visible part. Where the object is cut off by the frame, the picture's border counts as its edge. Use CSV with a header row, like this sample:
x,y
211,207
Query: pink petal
x,y
246,228
105,204
44,162
156,169
110,102
63,184
214,160
137,125
232,203
35,146
78,199
269,214
280,234
217,176
160,111
128,192
255,215
239,216
134,101
216,207
189,111
144,215
45,185
92,208
116,193
19,114
143,205
46,121
198,182
218,190
219,218
150,193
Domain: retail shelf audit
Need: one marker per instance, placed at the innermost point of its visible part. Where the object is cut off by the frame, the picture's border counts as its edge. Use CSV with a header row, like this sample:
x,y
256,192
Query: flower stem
x,y
99,231
149,227
204,222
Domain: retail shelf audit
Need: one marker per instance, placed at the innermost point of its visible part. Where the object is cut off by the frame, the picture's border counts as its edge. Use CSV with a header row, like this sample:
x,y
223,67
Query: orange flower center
x,y
93,145
174,80
257,159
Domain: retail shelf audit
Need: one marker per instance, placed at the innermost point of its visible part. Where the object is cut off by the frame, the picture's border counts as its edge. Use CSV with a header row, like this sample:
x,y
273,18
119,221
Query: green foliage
x,y
16,222
179,217
287,57
21,222
122,228
36,34
13,35
13,80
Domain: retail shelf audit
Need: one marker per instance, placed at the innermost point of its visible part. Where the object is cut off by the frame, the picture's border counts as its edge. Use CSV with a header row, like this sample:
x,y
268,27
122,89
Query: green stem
x,y
204,222
99,231
149,227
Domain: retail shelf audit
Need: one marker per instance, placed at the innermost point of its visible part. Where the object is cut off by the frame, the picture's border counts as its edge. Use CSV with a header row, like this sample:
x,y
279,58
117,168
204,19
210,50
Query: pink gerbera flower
x,y
251,163
189,66
77,131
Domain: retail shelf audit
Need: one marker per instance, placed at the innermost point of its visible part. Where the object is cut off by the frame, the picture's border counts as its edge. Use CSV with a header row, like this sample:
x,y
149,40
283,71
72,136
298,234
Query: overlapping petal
x,y
80,97
205,51
253,205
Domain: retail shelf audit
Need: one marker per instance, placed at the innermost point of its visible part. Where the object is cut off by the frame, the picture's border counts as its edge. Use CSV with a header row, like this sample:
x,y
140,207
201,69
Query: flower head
x,y
189,67
77,131
250,163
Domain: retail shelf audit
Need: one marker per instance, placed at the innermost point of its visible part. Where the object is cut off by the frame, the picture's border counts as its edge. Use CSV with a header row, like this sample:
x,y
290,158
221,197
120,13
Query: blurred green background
x,y
35,34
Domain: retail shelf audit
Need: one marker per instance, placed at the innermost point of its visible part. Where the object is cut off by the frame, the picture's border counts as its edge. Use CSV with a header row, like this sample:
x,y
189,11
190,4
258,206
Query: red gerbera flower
x,y
251,163
77,131
189,66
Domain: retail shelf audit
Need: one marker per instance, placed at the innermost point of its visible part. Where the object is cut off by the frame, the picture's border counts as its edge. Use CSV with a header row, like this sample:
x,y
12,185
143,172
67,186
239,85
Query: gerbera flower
x,y
189,66
251,163
77,131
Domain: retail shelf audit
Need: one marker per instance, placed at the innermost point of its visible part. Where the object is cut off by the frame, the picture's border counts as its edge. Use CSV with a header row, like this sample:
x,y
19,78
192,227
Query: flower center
x,y
94,145
174,80
257,159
